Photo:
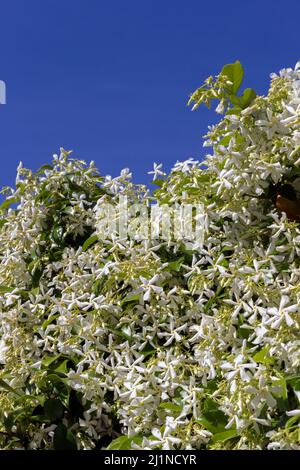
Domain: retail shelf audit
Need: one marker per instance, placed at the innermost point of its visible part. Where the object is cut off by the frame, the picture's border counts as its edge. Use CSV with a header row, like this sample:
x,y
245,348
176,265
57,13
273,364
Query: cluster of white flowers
x,y
167,346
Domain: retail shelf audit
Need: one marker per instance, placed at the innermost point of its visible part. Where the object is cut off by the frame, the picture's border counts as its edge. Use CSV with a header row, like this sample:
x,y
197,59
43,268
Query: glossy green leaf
x,y
57,233
44,196
36,277
63,439
245,100
213,416
98,285
175,265
48,360
263,357
53,409
130,299
294,382
69,210
89,242
170,406
292,421
224,436
235,74
225,140
248,96
62,367
43,168
124,443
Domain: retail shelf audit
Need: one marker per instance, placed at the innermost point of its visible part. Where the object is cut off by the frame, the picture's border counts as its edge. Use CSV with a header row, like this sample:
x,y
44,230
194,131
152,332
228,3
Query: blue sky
x,y
110,79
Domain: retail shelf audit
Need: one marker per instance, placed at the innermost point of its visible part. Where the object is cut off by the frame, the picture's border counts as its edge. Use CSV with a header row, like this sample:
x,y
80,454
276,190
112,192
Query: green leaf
x,y
2,222
49,320
175,265
62,367
55,377
225,140
210,427
148,350
34,265
21,188
245,100
170,406
89,242
5,289
294,382
213,418
203,177
69,210
243,332
212,385
35,291
235,73
235,110
33,399
124,443
281,382
248,96
63,439
74,187
158,182
224,436
7,203
7,387
130,298
44,196
263,356
123,332
292,421
57,233
98,286
36,276
43,168
53,409
48,360
214,299
12,418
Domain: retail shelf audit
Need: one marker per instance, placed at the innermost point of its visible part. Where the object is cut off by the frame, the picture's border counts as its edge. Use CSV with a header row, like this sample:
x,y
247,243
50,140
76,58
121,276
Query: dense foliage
x,y
158,344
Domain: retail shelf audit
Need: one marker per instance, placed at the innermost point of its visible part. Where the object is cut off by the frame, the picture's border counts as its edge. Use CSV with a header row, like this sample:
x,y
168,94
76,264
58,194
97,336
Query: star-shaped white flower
x,y
157,171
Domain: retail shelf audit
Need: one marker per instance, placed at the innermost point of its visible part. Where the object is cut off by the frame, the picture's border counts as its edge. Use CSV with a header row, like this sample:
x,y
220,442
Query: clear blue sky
x,y
110,79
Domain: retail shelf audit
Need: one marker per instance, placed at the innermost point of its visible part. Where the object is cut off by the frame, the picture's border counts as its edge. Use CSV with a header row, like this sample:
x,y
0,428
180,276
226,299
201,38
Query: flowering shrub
x,y
159,344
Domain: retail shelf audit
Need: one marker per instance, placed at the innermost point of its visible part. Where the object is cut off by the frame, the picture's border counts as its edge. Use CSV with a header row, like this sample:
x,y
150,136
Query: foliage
x,y
158,344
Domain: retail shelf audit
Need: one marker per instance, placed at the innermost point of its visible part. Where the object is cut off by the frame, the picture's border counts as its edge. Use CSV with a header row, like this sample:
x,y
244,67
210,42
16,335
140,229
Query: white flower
x,y
132,342
271,125
149,287
3,349
282,313
293,413
157,171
